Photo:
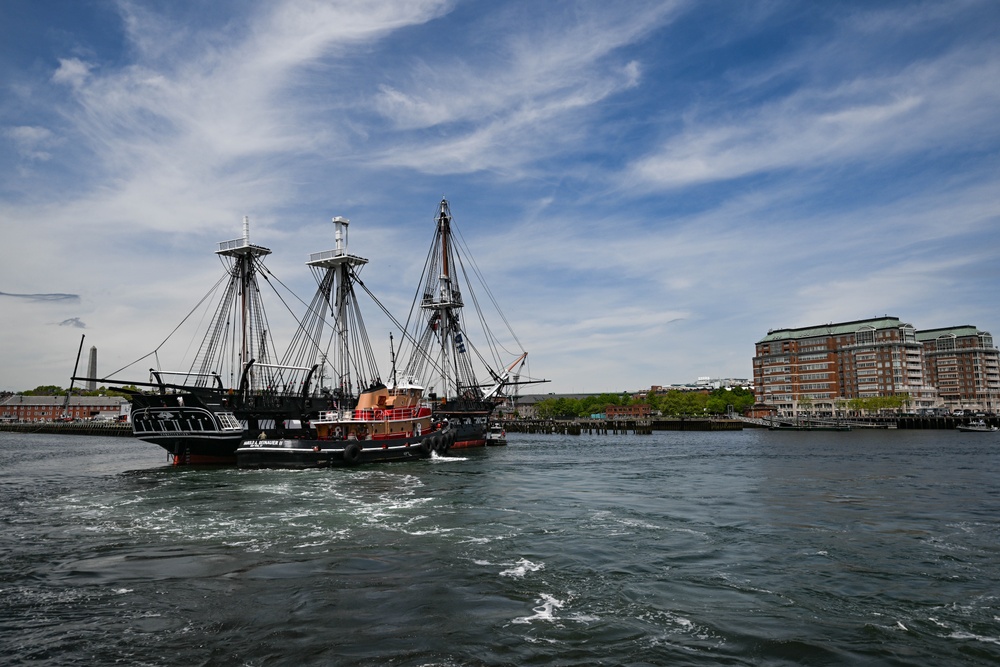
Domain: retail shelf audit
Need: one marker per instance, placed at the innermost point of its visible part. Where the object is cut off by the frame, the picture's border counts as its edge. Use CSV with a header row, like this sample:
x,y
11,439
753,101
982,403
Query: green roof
x,y
832,329
958,332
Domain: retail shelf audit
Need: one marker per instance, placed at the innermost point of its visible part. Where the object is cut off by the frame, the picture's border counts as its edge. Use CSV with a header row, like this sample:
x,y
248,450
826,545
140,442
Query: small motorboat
x,y
978,426
496,436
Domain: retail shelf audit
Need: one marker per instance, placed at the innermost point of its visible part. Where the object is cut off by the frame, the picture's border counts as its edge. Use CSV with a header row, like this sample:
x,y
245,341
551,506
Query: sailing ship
x,y
233,387
370,420
442,353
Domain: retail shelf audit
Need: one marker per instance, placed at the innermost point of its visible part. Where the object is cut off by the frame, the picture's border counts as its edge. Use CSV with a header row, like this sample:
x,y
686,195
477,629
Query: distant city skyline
x,y
647,192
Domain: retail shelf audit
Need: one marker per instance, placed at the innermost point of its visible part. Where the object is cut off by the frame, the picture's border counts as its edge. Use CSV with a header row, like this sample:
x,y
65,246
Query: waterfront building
x,y
19,407
964,365
639,411
818,369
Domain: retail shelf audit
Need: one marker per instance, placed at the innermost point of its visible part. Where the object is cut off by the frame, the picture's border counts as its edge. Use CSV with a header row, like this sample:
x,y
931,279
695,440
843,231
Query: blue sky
x,y
648,187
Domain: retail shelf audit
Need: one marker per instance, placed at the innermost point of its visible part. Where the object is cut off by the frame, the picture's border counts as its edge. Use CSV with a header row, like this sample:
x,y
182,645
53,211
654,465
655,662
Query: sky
x,y
647,187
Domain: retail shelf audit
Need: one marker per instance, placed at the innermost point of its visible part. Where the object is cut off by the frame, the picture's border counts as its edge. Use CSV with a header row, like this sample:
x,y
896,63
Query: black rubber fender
x,y
352,454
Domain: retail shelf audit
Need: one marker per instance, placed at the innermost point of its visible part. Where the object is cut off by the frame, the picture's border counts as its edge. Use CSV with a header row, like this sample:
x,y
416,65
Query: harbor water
x,y
732,548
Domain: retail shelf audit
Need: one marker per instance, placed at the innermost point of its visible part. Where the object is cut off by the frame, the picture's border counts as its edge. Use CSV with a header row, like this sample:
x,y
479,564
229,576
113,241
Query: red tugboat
x,y
386,425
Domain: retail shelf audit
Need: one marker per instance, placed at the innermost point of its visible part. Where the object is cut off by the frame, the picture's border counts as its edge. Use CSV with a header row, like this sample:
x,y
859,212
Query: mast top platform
x,y
242,246
339,255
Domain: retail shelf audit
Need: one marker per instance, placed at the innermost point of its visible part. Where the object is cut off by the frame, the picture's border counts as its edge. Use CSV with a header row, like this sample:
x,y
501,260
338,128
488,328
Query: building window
x,y
864,336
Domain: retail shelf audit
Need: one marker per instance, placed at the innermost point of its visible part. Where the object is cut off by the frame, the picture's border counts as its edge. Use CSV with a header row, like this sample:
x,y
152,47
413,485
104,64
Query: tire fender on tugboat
x,y
427,445
352,454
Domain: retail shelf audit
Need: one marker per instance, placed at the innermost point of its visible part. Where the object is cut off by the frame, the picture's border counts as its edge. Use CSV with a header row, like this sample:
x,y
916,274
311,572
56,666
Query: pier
x,y
647,426
621,426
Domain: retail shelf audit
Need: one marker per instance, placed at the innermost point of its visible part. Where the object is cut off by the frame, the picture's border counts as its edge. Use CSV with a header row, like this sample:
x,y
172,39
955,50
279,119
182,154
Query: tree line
x,y
673,403
871,404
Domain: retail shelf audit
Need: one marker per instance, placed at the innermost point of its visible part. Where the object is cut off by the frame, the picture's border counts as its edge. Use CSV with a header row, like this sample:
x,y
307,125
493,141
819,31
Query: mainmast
x,y
336,273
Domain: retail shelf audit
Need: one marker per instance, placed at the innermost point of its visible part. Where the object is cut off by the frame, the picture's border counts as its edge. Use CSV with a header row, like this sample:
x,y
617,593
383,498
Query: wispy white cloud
x,y
869,119
508,112
195,117
32,142
71,71
43,297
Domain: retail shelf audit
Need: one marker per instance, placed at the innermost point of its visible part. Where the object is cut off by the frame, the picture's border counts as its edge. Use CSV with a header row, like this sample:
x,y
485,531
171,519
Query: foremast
x,y
239,323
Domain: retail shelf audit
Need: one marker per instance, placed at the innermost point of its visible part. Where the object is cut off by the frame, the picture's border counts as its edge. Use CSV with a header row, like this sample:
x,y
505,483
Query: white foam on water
x,y
635,523
488,539
436,530
674,625
437,458
545,611
583,618
521,568
974,637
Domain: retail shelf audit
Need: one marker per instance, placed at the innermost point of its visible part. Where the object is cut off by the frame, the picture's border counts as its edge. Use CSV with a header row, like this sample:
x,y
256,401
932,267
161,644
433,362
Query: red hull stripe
x,y
466,444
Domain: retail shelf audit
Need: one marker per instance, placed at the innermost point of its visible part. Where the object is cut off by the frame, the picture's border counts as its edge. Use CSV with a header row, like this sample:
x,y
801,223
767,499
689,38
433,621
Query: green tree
x,y
557,408
46,390
684,403
719,400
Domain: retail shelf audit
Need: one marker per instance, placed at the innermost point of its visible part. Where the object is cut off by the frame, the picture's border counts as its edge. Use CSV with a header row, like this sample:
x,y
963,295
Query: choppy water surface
x,y
749,548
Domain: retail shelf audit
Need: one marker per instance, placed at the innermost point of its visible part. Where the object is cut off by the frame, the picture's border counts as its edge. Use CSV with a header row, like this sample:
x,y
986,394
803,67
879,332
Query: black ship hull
x,y
468,418
300,453
206,428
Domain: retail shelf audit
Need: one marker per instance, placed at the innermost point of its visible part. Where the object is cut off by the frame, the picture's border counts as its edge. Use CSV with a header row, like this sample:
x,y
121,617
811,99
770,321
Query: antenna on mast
x,y
392,357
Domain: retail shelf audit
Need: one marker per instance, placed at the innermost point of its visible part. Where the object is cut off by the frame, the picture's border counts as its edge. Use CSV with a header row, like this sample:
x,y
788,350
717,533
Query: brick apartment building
x,y
817,369
964,365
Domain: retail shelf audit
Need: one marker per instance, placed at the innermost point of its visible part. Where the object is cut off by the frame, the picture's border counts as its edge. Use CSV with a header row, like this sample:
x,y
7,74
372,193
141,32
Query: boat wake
x,y
447,459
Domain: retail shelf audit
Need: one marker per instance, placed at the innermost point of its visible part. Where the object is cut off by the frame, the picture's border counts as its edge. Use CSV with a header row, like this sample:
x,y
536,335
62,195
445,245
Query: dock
x,y
621,426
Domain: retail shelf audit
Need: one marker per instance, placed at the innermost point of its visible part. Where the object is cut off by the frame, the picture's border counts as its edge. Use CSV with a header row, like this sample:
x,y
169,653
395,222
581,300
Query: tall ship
x,y
236,385
469,371
370,420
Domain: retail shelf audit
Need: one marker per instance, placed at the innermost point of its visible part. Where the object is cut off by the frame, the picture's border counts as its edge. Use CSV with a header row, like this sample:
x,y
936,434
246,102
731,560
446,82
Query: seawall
x,y
114,429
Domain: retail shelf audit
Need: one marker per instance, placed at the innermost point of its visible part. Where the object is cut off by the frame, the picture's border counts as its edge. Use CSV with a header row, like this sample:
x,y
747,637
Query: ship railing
x,y
392,414
335,415
233,245
326,254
